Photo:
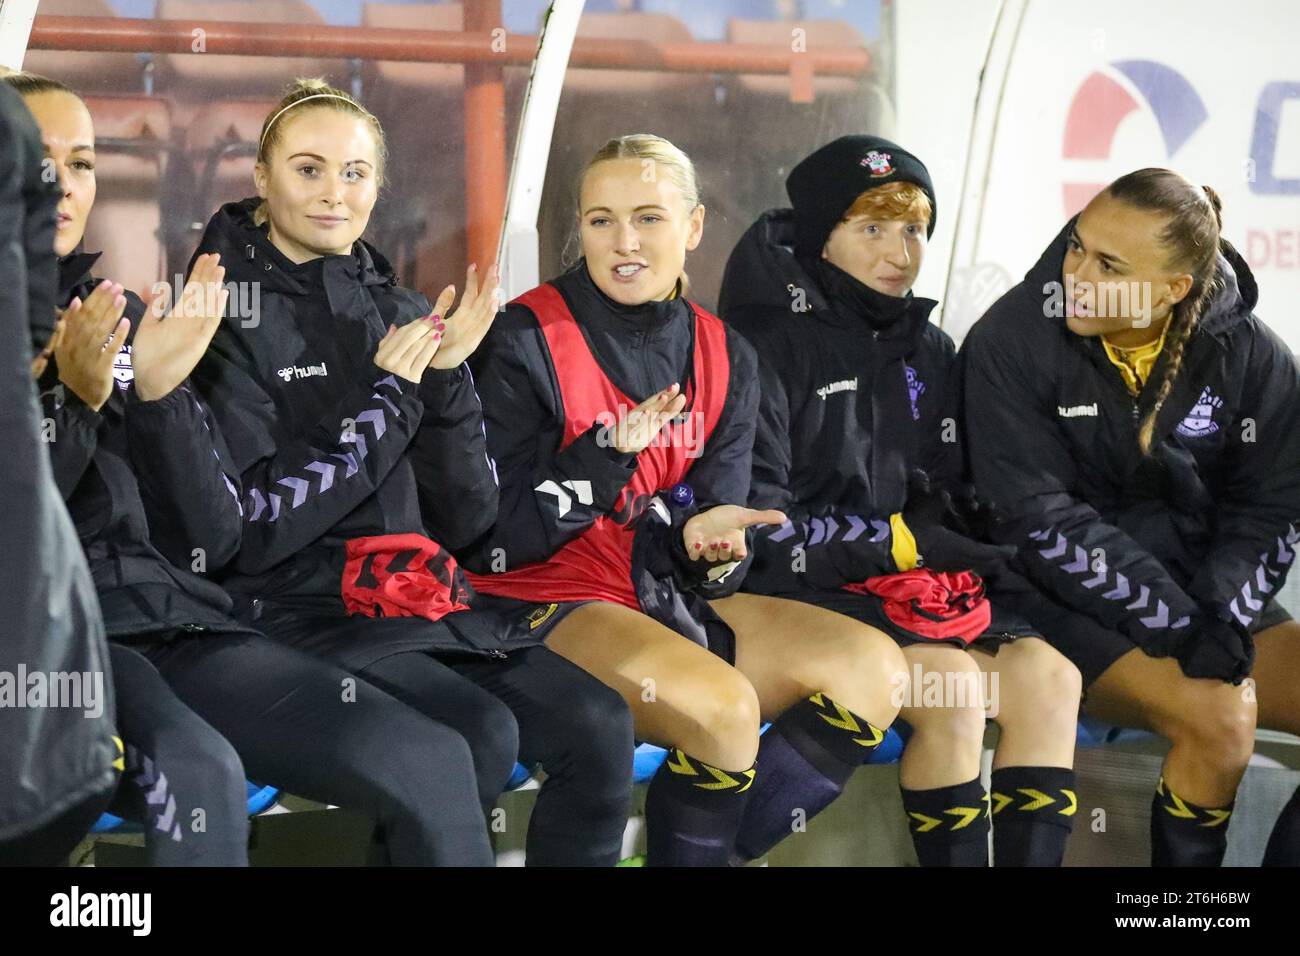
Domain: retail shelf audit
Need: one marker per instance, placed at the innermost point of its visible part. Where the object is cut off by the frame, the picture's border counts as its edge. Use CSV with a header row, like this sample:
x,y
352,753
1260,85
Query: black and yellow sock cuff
x,y
119,758
703,776
859,734
960,810
1046,792
1179,809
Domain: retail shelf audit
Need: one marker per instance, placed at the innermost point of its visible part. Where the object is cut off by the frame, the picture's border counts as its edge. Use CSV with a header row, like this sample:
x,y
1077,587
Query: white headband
x,y
314,96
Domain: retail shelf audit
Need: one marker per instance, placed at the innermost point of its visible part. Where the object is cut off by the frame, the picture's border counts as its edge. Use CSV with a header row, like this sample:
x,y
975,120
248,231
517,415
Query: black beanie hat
x,y
824,185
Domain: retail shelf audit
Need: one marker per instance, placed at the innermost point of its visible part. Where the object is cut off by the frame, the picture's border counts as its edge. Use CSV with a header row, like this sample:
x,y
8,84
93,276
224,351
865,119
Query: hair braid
x,y
1187,315
1193,239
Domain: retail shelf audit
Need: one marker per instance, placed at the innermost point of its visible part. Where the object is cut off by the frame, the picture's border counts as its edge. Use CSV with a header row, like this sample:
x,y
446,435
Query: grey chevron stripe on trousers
x,y
182,781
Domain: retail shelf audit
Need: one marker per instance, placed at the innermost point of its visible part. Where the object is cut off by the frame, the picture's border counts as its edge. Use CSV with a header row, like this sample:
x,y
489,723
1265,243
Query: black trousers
x,y
579,730
183,782
534,703
318,731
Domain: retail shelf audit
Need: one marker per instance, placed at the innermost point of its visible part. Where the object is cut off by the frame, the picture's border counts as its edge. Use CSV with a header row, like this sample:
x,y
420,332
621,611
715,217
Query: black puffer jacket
x,y
854,400
151,488
51,758
328,446
1206,527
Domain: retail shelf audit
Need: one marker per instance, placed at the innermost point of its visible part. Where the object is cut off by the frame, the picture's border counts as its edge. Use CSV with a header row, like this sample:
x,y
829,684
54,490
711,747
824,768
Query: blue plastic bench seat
x,y
260,799
1096,733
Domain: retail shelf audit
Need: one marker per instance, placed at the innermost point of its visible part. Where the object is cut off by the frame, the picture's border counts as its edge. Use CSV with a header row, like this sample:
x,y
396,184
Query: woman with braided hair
x,y
1152,488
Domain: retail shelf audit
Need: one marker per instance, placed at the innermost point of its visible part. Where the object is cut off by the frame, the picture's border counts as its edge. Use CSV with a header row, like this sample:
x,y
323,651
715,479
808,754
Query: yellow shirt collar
x,y
1135,364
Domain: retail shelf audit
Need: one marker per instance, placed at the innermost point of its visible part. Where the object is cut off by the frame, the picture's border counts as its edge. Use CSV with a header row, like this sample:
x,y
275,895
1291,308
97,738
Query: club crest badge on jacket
x,y
1200,420
123,372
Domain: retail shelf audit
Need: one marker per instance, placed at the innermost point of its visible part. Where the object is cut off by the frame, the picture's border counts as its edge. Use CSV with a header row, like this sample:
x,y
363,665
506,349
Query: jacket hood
x,y
763,271
77,279
74,271
763,274
1232,305
248,254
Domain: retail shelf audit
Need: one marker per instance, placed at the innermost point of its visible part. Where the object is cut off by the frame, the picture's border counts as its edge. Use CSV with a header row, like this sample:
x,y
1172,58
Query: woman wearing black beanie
x,y
858,445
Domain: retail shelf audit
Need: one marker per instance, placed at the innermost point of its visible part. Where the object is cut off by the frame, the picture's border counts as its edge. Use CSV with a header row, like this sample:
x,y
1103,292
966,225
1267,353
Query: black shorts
x,y
1004,626
538,620
1090,646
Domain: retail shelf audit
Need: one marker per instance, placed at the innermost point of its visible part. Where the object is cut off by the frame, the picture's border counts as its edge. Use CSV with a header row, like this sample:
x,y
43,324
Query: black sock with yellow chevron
x,y
1033,814
1183,834
804,760
950,825
1284,842
693,811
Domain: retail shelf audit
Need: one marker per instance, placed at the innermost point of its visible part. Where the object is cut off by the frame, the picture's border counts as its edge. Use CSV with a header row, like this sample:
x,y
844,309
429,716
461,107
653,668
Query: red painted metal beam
x,y
485,136
124,35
